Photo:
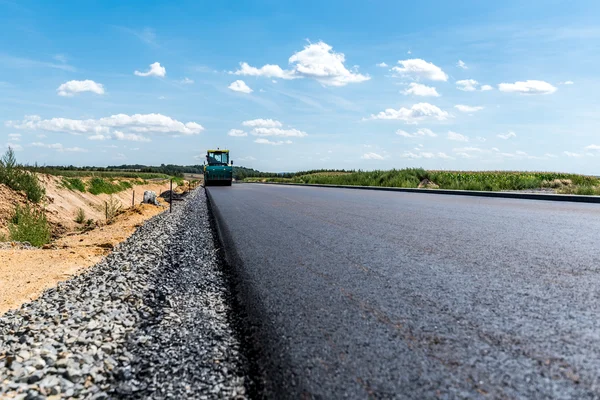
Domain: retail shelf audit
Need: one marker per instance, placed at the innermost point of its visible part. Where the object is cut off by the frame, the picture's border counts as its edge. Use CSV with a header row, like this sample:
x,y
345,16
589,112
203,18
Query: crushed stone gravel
x,y
152,320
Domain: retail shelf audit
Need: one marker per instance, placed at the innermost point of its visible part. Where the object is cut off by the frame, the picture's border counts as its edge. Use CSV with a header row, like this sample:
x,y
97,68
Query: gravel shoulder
x,y
151,320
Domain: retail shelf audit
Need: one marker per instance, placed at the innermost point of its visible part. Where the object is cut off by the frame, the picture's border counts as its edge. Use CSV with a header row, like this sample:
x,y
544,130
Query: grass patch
x,y
29,225
100,174
15,177
74,184
97,186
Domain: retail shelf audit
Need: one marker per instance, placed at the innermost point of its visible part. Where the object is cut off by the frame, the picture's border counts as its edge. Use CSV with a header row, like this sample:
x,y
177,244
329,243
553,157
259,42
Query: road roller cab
x,y
218,168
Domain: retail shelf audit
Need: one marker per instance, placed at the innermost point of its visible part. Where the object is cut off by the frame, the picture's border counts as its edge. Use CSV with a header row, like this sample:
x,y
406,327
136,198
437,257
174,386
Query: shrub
x,y
29,225
13,176
112,208
80,216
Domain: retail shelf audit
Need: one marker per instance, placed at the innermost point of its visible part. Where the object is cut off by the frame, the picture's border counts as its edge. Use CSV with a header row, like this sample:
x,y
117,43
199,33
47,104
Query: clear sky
x,y
300,85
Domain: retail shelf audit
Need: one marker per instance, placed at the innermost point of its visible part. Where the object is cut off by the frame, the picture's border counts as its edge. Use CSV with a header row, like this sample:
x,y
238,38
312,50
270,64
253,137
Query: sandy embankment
x,y
25,274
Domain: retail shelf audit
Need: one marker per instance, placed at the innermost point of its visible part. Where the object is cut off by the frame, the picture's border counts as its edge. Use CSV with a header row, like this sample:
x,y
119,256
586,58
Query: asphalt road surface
x,y
370,294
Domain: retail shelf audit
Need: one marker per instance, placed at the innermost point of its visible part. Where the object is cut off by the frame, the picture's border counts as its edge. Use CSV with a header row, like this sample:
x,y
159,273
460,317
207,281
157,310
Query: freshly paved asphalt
x,y
366,294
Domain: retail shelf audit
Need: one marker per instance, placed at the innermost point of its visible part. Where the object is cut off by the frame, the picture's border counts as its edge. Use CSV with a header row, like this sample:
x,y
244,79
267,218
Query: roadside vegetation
x,y
29,225
16,177
459,180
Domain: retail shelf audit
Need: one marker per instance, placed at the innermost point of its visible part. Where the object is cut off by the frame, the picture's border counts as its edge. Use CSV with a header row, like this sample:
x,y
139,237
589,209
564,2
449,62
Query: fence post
x,y
133,199
171,198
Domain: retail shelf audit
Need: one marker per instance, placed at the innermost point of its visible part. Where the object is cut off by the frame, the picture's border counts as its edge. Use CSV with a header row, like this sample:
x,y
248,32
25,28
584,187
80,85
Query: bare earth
x,y
25,274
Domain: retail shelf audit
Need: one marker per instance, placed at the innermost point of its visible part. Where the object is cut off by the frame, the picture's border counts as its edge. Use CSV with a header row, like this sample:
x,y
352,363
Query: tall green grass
x,y
74,184
460,180
100,174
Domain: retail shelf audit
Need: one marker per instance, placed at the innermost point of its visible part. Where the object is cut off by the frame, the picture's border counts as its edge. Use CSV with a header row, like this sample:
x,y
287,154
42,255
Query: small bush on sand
x,y
29,225
80,216
112,208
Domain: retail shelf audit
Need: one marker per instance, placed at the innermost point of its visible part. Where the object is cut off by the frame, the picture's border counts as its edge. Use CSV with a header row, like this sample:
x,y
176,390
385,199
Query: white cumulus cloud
x,y
267,141
467,109
71,88
240,86
457,137
372,156
118,126
317,61
262,123
485,88
527,87
382,65
507,135
419,133
418,89
418,112
418,68
237,133
461,64
590,147
278,132
467,85
155,70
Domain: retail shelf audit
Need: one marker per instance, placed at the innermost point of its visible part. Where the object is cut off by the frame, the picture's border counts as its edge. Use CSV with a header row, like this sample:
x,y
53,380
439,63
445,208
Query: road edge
x,y
474,193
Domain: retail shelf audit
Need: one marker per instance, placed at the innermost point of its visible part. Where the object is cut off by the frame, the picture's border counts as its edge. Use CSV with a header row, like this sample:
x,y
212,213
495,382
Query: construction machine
x,y
218,169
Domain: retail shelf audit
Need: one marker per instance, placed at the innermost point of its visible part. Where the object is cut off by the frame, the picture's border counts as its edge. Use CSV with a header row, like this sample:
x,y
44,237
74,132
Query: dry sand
x,y
25,274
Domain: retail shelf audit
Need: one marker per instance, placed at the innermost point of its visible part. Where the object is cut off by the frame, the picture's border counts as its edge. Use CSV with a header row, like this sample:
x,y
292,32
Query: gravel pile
x,y
149,321
16,246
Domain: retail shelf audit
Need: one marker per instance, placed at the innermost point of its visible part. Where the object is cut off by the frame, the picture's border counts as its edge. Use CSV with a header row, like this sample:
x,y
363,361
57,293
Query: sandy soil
x,y
25,274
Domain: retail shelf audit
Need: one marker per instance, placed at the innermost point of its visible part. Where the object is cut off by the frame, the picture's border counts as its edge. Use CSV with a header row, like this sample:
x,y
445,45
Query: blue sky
x,y
300,85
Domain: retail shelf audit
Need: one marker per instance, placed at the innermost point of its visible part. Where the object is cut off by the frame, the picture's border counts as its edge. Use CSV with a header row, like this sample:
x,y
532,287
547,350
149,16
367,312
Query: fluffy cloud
x,y
419,133
317,61
467,85
267,71
236,133
372,156
71,88
467,109
59,147
527,87
155,70
421,90
14,137
457,137
119,126
590,147
485,88
571,154
267,141
461,64
262,123
418,68
132,137
413,115
240,86
278,132
507,135
425,154
382,65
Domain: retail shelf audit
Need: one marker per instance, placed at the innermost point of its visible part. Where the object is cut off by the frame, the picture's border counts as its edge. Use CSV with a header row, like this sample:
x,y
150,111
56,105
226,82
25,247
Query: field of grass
x,y
460,180
100,174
